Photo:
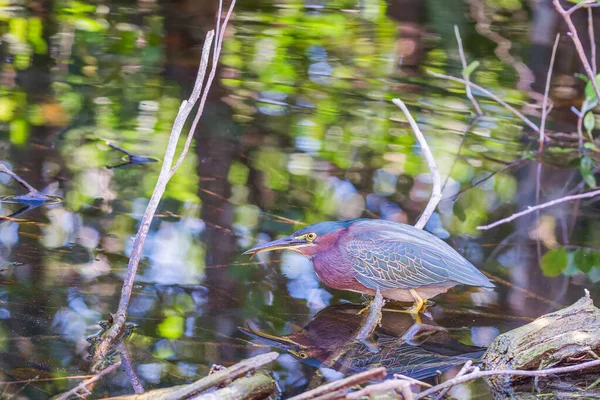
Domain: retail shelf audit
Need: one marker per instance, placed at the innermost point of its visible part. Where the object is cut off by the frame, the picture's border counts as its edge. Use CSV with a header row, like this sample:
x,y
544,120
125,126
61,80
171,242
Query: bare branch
x,y
211,76
374,317
546,92
371,374
531,209
199,91
592,40
511,372
587,4
83,385
400,385
412,380
465,368
463,60
436,194
218,378
490,95
578,46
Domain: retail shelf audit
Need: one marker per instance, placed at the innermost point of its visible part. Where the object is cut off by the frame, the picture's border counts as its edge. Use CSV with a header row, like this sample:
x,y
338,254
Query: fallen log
x,y
565,337
238,386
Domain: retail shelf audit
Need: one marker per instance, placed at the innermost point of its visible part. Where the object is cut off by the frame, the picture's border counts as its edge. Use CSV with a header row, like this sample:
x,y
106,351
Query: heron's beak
x,y
281,342
286,243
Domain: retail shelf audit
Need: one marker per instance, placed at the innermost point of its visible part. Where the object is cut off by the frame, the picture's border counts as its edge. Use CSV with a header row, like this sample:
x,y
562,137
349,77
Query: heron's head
x,y
308,241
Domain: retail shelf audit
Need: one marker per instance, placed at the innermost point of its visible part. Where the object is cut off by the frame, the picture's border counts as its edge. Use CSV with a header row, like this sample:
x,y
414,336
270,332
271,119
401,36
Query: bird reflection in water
x,y
403,347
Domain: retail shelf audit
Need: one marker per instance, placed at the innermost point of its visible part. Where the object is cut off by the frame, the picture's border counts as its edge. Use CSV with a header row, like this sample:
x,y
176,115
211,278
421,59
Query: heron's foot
x,y
419,304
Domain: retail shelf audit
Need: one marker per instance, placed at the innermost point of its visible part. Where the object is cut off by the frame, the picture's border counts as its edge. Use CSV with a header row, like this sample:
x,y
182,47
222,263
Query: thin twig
x,y
592,41
88,382
385,386
586,4
465,368
539,207
490,95
365,376
436,193
211,76
463,60
482,180
546,92
580,115
462,142
476,374
578,46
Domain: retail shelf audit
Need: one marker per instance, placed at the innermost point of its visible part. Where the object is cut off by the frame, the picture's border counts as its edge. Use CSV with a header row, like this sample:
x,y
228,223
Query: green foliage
x,y
554,262
586,168
171,327
584,260
589,88
589,121
238,173
7,108
469,69
505,186
19,132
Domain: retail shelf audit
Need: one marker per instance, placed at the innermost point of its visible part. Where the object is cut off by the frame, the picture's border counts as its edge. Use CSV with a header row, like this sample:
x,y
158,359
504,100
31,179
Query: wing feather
x,y
390,264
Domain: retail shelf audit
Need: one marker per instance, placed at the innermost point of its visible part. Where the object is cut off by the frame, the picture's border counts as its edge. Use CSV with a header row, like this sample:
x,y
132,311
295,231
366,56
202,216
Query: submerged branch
x,y
84,385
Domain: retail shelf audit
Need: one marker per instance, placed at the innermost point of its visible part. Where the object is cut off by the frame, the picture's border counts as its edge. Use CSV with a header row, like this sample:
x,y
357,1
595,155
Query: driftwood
x,y
256,387
565,337
239,386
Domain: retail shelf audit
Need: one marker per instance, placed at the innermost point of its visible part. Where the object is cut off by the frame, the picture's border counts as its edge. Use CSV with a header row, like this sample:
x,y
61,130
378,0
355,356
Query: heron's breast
x,y
334,268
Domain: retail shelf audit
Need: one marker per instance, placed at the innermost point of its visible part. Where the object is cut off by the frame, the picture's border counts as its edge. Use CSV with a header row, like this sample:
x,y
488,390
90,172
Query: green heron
x,y
366,255
328,339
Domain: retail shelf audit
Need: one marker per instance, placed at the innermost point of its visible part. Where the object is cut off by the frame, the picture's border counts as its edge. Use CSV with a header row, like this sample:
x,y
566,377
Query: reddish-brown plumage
x,y
364,255
331,266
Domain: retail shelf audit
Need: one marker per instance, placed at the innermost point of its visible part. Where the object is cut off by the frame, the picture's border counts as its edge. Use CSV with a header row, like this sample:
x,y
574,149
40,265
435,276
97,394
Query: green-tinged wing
x,y
391,264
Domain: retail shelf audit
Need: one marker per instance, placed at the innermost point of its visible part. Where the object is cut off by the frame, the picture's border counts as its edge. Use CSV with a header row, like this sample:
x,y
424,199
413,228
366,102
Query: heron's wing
x,y
391,264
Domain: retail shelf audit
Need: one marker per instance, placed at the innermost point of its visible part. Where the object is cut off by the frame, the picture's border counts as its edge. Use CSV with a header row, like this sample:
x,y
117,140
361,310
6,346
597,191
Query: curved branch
x,y
436,194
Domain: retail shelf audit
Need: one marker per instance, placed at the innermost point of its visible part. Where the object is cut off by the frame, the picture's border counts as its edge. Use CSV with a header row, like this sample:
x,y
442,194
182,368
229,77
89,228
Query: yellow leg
x,y
419,305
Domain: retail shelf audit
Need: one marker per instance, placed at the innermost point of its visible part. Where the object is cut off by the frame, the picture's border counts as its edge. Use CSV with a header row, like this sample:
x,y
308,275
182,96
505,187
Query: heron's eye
x,y
311,236
303,355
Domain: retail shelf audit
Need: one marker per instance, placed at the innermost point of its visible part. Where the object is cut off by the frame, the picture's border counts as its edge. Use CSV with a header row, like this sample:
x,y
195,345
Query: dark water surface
x,y
299,128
